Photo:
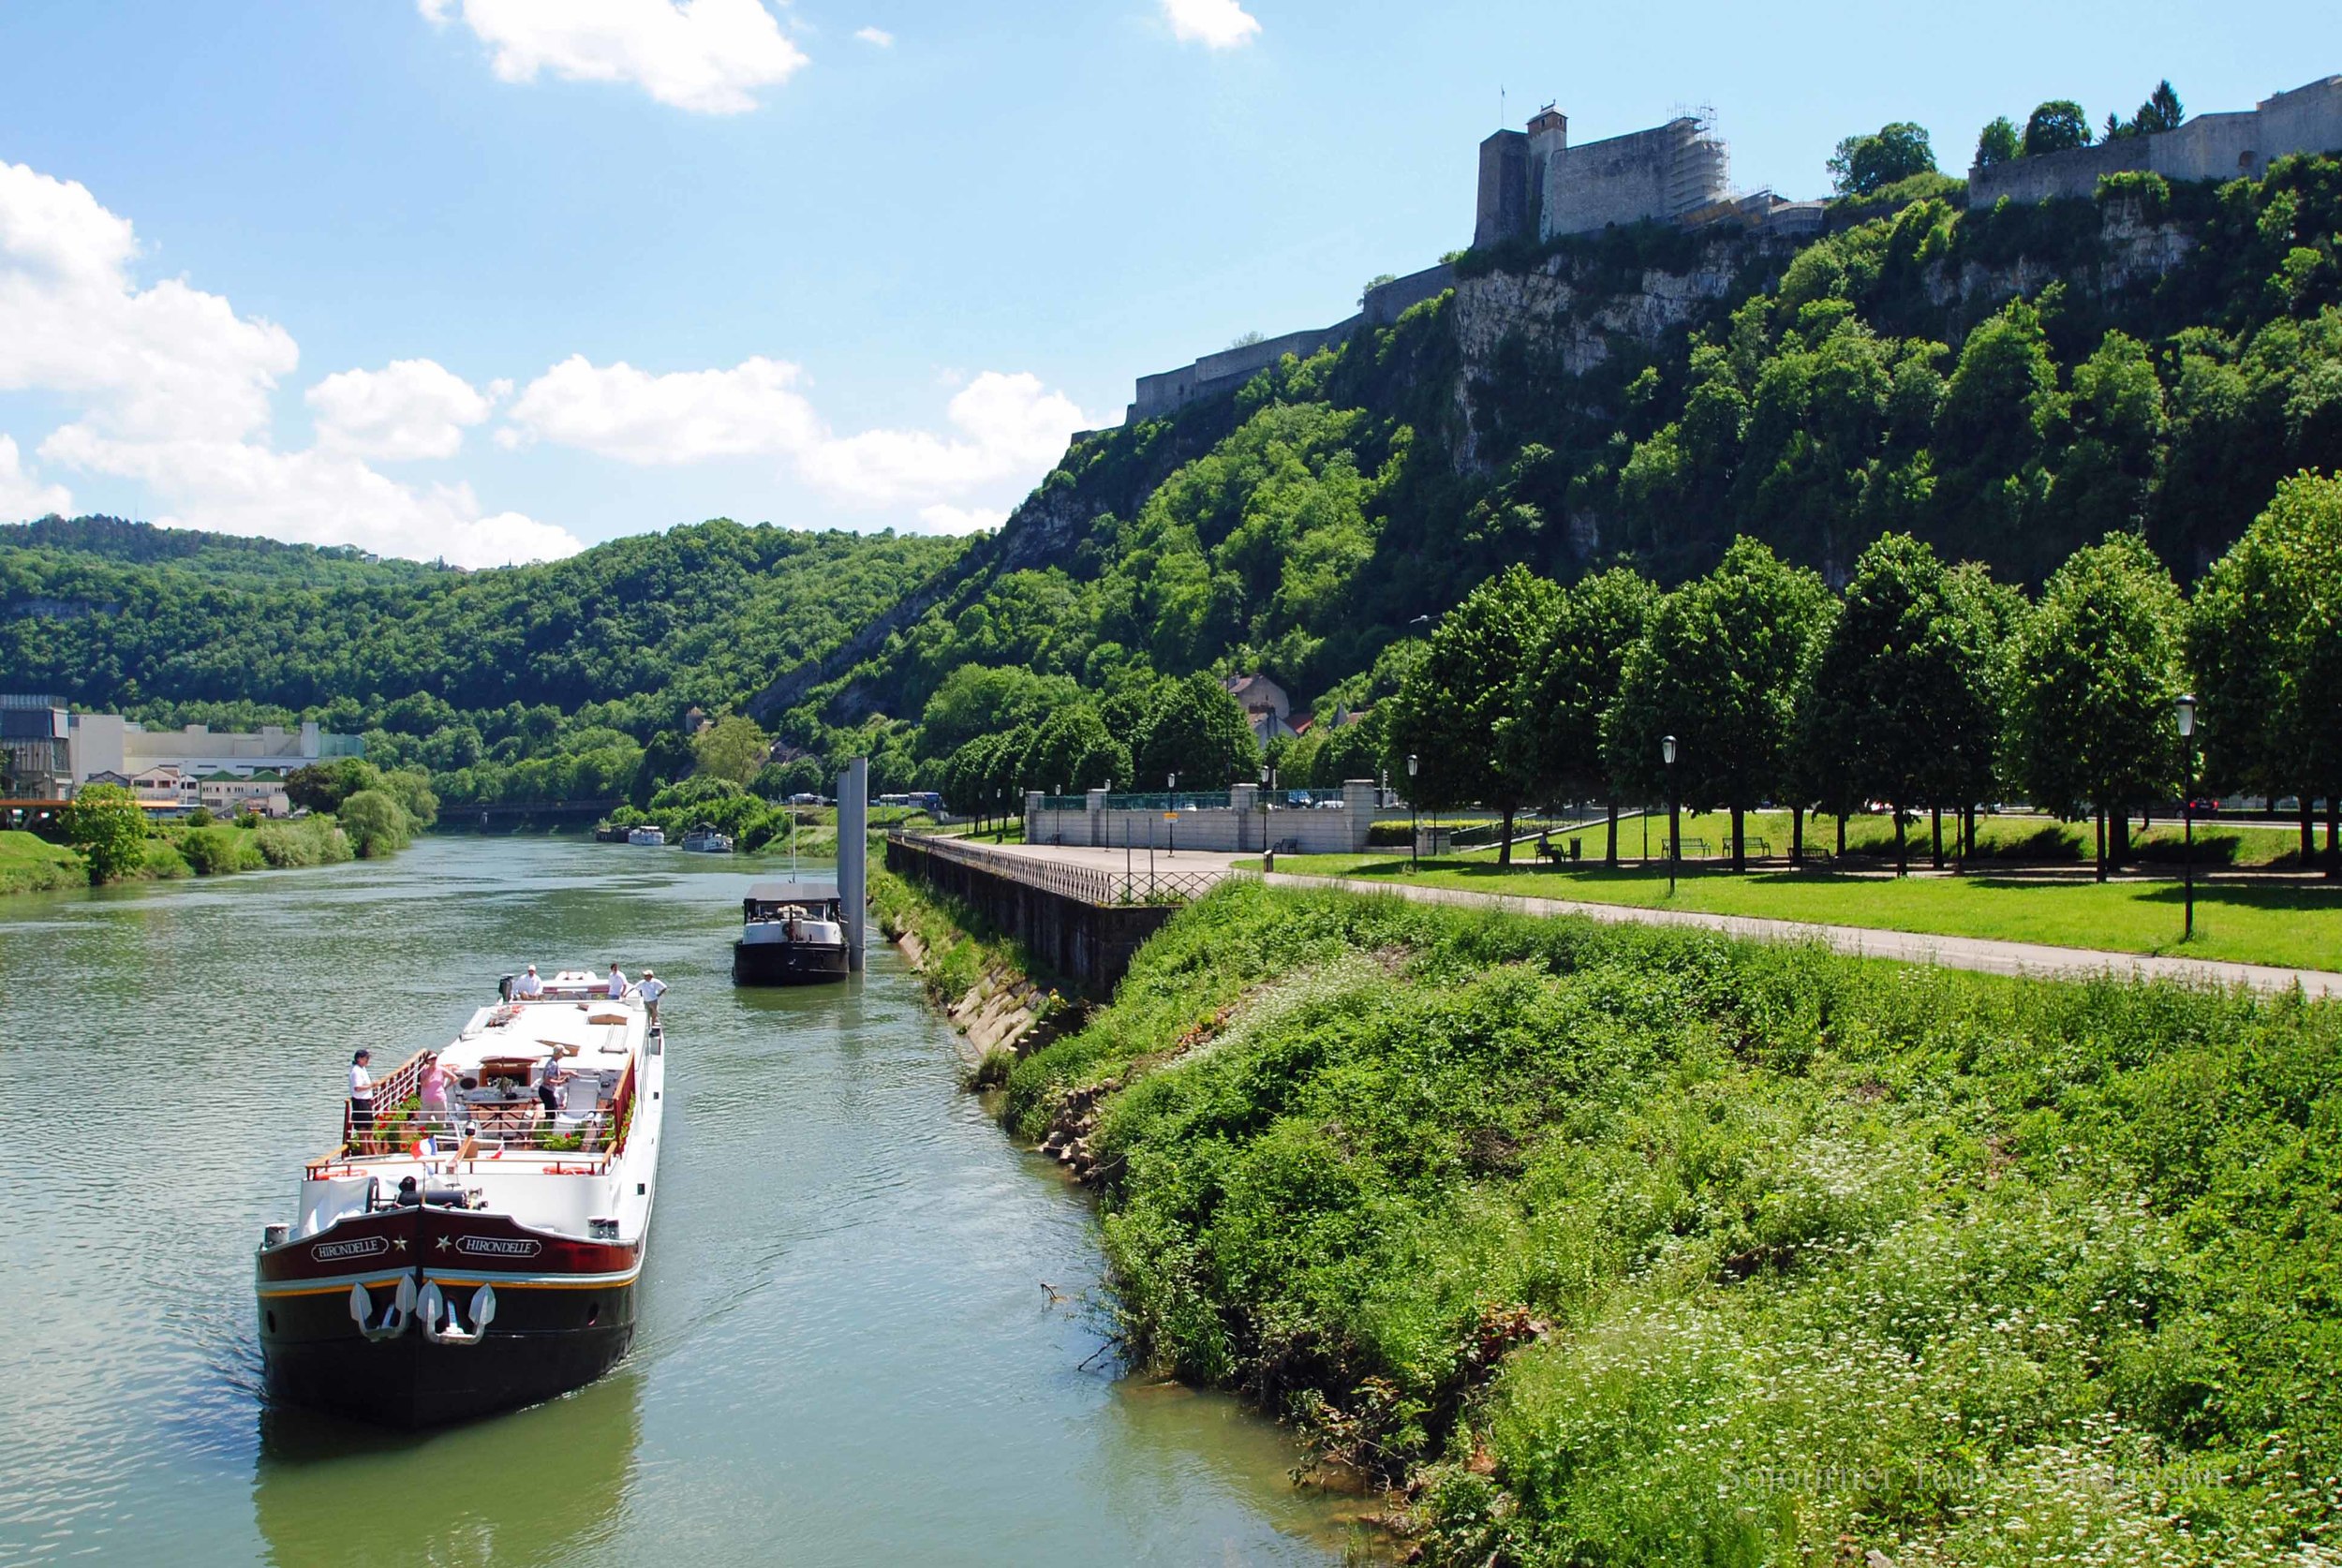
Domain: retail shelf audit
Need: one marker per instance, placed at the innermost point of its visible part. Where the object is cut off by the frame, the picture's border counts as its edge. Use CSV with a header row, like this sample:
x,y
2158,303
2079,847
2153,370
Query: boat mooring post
x,y
854,854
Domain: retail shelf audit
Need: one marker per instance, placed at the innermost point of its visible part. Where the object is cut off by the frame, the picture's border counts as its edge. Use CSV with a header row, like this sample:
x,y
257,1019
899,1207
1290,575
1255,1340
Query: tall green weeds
x,y
1627,1246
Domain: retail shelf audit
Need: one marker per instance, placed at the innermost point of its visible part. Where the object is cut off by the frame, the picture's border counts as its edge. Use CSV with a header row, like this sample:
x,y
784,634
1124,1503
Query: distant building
x,y
34,750
1266,708
2234,145
110,744
1534,185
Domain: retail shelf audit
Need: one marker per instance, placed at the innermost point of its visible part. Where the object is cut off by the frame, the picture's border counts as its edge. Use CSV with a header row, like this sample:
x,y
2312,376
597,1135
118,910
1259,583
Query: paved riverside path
x,y
2038,960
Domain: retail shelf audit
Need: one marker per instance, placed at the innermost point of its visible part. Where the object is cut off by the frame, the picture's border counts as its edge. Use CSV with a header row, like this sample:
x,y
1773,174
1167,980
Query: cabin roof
x,y
804,890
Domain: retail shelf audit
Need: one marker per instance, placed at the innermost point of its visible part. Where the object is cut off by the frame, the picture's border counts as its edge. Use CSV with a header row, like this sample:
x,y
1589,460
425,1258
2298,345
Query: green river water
x,y
845,1354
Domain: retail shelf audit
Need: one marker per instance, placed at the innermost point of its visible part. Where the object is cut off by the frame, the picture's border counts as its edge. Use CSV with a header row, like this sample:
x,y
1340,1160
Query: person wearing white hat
x,y
529,986
650,990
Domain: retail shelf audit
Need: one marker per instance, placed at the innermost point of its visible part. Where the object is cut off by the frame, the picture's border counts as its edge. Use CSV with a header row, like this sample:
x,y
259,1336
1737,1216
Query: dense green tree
x,y
1998,144
980,699
2265,642
1992,441
2115,420
1899,704
2162,112
1453,712
2056,126
323,786
1567,684
106,824
1197,731
666,758
412,787
734,748
2093,676
1865,164
1717,667
1072,751
377,824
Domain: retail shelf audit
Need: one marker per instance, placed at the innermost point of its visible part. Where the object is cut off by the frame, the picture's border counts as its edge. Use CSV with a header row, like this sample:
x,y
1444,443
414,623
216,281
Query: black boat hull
x,y
787,964
317,1362
564,1312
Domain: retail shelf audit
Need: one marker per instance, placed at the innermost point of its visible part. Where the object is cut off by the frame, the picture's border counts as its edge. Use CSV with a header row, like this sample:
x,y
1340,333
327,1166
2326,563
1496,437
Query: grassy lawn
x,y
1708,836
30,863
2296,926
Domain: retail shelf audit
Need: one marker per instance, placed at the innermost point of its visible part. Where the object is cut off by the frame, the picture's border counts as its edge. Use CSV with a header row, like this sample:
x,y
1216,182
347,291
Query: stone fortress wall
x,y
1535,186
2237,145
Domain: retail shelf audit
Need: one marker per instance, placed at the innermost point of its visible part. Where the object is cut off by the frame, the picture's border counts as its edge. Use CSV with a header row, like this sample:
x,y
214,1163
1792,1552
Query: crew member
x,y
360,1096
529,984
618,982
650,990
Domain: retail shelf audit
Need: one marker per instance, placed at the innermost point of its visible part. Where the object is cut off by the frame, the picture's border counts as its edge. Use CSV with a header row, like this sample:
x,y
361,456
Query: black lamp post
x,y
1171,820
1415,819
1267,782
2186,706
1675,829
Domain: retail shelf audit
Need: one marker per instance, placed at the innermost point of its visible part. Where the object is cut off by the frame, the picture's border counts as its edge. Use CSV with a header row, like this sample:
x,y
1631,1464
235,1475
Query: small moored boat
x,y
444,1268
705,841
650,834
792,933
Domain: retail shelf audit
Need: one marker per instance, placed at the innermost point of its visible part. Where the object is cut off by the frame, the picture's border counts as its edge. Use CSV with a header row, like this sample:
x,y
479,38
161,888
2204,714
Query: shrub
x,y
377,824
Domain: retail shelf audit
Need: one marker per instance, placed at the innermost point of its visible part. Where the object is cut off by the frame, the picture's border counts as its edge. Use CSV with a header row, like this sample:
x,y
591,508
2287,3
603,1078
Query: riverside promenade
x,y
2035,960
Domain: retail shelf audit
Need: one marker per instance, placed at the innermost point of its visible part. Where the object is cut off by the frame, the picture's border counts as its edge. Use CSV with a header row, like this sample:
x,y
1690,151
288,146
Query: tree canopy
x,y
106,824
2054,127
1866,163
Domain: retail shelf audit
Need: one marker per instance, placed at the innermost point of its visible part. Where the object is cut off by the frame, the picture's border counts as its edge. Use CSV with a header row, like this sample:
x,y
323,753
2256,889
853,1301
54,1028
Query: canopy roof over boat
x,y
804,889
592,1034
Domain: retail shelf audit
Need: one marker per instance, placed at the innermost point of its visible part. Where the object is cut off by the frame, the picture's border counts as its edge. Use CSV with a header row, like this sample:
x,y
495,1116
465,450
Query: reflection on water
x,y
844,1355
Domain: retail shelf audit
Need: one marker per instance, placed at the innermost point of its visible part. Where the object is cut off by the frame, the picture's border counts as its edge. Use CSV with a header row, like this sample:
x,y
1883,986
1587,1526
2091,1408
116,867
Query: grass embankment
x,y
31,863
987,984
1624,1245
2297,925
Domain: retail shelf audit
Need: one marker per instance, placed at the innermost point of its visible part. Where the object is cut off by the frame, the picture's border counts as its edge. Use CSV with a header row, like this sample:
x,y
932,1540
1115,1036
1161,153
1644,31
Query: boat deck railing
x,y
484,1131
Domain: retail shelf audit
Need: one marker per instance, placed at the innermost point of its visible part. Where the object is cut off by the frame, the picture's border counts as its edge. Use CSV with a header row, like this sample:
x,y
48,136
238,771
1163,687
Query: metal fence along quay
x,y
1089,884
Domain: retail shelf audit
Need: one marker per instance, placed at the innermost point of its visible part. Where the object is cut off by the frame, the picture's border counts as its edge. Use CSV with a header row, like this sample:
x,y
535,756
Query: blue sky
x,y
494,279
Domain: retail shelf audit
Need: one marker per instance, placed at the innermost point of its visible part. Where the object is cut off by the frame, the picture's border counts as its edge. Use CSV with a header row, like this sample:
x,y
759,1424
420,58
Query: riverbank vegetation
x,y
1614,1245
109,837
31,863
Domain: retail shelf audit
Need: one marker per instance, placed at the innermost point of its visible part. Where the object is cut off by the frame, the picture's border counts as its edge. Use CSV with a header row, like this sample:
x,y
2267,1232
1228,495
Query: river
x,y
846,1353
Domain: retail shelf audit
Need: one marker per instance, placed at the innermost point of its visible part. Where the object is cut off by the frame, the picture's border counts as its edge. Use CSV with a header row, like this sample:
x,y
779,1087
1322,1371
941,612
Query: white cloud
x,y
408,409
877,36
166,362
1214,23
705,56
175,389
23,496
315,496
1007,427
630,414
941,519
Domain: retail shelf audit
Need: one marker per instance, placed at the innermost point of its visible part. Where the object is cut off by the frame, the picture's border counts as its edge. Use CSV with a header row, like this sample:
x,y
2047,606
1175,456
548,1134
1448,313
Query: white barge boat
x,y
444,1266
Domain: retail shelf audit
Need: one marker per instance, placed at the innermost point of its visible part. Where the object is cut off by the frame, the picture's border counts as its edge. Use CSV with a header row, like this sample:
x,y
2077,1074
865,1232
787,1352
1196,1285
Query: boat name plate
x,y
355,1246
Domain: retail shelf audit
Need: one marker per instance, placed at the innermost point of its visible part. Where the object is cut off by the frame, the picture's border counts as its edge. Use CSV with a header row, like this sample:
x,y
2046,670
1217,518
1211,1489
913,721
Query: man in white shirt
x,y
361,1097
650,990
617,983
530,985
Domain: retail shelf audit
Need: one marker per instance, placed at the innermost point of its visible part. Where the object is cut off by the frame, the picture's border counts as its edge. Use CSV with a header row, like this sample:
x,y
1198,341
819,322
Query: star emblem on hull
x,y
399,1242
441,1244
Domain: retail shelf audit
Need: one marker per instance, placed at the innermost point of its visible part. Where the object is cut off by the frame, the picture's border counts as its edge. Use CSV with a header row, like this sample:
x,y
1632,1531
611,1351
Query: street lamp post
x,y
1414,813
1267,782
1171,820
1675,826
2186,706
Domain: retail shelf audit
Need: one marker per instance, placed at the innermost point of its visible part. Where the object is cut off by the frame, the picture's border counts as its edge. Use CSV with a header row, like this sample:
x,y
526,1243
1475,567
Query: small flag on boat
x,y
425,1149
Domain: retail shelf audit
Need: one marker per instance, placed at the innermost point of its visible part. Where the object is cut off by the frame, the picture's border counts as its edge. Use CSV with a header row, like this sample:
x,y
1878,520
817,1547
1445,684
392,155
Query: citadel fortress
x,y
1535,186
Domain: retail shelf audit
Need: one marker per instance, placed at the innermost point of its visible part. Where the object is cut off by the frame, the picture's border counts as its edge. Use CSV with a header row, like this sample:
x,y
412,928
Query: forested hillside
x,y
2006,386
456,671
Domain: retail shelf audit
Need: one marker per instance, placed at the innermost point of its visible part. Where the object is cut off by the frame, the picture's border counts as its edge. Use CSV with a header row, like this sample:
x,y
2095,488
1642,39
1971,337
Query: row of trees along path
x,y
1923,685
